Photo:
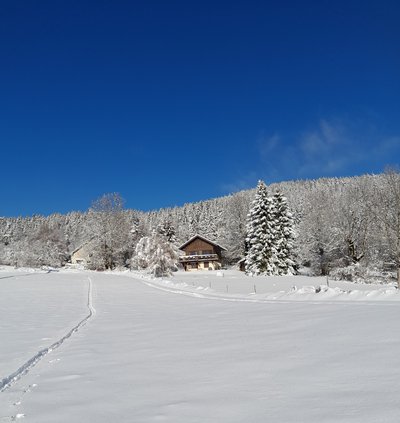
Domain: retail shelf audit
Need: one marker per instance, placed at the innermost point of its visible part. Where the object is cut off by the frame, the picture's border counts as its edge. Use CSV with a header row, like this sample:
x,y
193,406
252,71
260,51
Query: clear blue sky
x,y
168,102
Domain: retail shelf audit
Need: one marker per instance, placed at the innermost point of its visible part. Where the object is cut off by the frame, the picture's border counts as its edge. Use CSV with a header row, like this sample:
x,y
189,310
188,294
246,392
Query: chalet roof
x,y
202,238
83,245
88,241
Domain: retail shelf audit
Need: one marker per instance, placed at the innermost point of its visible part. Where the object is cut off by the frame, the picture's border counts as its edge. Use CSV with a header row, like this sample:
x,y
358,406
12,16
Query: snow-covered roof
x,y
83,245
202,238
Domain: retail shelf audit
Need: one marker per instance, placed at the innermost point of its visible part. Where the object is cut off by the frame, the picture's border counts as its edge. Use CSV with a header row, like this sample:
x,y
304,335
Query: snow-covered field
x,y
233,285
92,347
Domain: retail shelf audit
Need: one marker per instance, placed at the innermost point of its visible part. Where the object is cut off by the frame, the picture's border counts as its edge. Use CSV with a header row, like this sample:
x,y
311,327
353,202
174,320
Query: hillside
x,y
340,222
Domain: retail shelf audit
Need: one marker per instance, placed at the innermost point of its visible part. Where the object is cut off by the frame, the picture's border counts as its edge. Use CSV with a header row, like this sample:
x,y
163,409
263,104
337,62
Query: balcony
x,y
199,257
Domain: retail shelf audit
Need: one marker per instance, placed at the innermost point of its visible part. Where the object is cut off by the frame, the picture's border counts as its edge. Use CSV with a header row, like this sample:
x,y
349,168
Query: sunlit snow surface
x,y
179,351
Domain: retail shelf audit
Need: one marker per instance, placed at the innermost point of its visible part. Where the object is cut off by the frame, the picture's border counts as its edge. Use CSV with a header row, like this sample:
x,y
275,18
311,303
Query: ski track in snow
x,y
27,366
220,297
20,276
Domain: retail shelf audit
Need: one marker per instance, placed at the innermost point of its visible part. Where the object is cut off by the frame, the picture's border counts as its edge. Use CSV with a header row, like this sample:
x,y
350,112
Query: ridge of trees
x,y
342,225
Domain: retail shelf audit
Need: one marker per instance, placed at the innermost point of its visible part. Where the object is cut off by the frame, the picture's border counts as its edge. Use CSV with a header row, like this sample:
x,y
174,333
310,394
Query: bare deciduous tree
x,y
387,213
111,231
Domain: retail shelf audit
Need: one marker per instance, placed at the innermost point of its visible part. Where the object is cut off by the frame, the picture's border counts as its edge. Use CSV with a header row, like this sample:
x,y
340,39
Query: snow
x,y
35,309
149,354
266,288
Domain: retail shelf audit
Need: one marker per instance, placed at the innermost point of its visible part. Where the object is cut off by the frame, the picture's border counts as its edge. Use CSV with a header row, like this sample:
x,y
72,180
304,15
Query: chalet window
x,y
192,253
193,265
207,252
206,264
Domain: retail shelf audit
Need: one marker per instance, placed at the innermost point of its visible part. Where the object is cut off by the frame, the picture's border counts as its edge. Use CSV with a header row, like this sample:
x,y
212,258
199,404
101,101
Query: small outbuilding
x,y
242,264
201,254
81,255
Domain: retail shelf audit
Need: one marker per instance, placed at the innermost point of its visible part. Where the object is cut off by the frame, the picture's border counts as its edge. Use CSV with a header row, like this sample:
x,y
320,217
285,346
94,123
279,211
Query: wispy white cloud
x,y
246,181
267,144
388,146
332,147
324,139
329,148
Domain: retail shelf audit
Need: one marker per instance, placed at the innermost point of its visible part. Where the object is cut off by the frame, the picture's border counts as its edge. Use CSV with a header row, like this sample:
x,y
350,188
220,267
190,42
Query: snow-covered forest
x,y
345,227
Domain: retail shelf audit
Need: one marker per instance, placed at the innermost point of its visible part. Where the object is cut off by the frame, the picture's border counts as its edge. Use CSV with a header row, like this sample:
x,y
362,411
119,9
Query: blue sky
x,y
179,101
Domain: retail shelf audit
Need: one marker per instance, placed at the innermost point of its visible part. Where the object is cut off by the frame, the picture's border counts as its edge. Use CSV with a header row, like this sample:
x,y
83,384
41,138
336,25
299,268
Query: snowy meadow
x,y
99,347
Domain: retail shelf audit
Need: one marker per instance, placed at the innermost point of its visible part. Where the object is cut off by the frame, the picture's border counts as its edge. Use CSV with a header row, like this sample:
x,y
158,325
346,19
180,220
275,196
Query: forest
x,y
348,228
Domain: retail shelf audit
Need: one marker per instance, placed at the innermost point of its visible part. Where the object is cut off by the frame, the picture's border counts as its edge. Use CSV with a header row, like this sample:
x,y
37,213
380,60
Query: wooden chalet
x,y
201,254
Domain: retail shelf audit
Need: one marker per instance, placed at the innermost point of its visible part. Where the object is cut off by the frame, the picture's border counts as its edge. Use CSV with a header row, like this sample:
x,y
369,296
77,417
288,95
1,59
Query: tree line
x,y
345,227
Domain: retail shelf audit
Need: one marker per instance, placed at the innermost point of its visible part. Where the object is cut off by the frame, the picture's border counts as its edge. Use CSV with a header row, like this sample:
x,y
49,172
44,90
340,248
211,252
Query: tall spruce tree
x,y
261,253
284,235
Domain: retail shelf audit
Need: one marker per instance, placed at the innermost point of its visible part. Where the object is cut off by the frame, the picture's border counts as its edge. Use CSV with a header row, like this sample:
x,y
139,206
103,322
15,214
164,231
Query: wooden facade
x,y
201,254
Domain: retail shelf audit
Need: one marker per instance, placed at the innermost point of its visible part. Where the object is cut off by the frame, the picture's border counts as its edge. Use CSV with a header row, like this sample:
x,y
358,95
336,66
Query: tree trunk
x,y
398,277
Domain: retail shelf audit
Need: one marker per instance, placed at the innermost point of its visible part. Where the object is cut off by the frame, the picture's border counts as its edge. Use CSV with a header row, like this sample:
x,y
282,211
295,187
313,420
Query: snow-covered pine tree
x,y
155,254
167,230
140,258
163,259
261,253
284,235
